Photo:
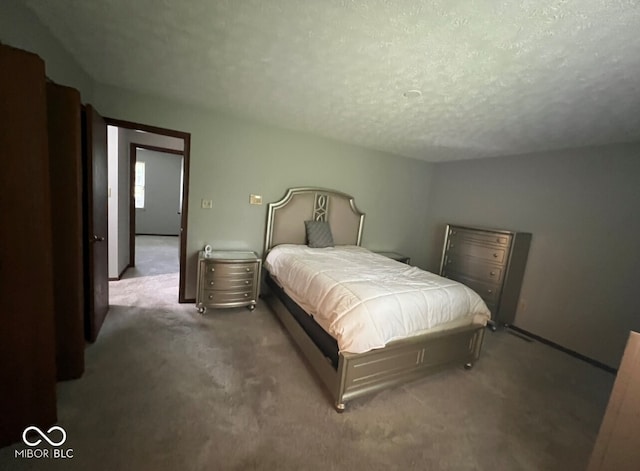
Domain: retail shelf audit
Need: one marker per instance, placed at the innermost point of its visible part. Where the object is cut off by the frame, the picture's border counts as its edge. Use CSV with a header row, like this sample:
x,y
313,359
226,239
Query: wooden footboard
x,y
398,363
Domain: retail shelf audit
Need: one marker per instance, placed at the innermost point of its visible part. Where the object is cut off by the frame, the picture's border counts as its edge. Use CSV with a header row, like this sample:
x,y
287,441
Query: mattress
x,y
365,300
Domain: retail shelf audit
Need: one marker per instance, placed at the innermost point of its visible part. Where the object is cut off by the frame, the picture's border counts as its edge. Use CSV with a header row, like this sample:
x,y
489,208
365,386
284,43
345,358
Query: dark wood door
x,y
27,350
65,177
96,222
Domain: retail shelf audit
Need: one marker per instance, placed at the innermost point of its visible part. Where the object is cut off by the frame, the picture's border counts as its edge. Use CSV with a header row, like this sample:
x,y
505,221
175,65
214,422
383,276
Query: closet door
x,y
27,355
65,170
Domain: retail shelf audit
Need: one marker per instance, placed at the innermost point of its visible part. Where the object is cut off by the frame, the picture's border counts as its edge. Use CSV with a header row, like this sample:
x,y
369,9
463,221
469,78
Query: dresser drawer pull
x,y
248,269
211,296
247,282
211,283
212,269
495,255
246,295
492,273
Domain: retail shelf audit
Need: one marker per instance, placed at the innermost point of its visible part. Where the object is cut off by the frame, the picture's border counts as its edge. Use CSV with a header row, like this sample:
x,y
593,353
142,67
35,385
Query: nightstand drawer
x,y
230,283
232,296
236,270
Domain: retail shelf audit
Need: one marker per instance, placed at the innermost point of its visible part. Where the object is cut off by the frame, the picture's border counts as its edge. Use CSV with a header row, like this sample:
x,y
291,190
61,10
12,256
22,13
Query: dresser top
x,y
229,255
487,229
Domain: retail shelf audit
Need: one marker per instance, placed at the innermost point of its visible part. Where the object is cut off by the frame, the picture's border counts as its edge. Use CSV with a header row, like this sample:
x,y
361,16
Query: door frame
x,y
133,157
184,217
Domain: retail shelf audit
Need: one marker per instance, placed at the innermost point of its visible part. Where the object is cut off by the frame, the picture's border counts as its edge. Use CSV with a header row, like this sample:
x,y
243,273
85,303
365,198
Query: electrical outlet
x,y
207,204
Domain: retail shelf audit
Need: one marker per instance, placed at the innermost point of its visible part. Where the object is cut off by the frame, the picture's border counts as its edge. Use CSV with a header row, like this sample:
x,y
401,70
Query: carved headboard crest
x,y
321,207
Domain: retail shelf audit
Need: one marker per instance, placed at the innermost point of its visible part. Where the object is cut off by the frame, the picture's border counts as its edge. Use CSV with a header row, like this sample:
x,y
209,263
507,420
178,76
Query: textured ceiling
x,y
496,77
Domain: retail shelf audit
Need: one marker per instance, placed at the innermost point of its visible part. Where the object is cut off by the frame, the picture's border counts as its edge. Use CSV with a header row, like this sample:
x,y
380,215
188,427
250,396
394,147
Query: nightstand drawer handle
x,y
212,269
248,269
489,291
246,282
246,295
211,283
495,255
211,296
492,273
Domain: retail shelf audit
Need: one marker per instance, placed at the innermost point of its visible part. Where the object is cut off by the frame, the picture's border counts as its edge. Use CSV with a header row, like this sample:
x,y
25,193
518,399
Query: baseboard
x,y
568,351
160,235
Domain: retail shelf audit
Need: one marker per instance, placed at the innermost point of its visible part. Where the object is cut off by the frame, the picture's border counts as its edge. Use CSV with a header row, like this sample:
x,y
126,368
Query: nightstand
x,y
396,256
227,279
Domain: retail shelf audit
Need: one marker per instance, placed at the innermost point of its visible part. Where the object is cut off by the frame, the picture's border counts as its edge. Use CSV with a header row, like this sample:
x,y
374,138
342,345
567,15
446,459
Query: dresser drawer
x,y
490,293
224,297
464,248
473,268
478,237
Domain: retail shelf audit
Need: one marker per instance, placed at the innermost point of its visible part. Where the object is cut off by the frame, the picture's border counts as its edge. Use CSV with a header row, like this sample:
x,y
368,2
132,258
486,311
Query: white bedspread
x,y
365,300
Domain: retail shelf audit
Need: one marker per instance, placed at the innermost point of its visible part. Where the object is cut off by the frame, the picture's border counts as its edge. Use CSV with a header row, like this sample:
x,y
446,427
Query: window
x,y
138,189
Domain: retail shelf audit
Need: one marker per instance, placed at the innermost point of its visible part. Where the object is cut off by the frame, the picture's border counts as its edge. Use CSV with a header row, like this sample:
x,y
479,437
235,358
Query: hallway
x,y
155,255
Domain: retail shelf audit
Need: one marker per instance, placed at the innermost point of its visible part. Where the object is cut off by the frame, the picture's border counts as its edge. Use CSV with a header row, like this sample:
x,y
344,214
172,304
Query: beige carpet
x,y
168,389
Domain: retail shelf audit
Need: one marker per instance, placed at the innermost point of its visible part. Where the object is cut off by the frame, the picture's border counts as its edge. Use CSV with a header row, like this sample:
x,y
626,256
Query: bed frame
x,y
359,374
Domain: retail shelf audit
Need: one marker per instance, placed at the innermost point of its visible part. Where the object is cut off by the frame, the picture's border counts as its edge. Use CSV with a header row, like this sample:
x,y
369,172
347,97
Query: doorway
x,y
156,177
172,147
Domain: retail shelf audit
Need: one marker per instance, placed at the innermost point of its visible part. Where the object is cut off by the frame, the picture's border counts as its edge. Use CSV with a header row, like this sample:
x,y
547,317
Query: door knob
x,y
97,238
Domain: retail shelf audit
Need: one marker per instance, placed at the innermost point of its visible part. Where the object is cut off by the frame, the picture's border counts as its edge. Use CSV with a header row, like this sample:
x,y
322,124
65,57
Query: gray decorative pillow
x,y
318,234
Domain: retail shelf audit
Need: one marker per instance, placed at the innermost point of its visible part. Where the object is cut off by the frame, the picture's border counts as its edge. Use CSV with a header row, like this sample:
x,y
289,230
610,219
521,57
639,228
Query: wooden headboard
x,y
285,218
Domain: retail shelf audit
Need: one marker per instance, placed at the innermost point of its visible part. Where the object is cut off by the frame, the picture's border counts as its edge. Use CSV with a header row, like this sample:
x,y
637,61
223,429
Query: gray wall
x,y
160,214
20,28
583,208
232,158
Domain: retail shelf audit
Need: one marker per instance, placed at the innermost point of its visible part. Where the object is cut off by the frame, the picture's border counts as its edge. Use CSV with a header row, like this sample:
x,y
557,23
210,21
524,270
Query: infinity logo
x,y
36,429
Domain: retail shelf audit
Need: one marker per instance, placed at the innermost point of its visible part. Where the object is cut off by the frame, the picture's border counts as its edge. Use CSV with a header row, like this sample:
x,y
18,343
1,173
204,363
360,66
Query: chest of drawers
x,y
227,279
489,261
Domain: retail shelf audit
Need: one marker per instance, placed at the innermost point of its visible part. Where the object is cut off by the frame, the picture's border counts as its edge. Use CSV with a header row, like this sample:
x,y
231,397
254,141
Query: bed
x,y
351,367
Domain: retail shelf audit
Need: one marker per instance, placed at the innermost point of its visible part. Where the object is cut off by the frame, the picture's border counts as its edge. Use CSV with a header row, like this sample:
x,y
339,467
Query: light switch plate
x,y
207,204
255,199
